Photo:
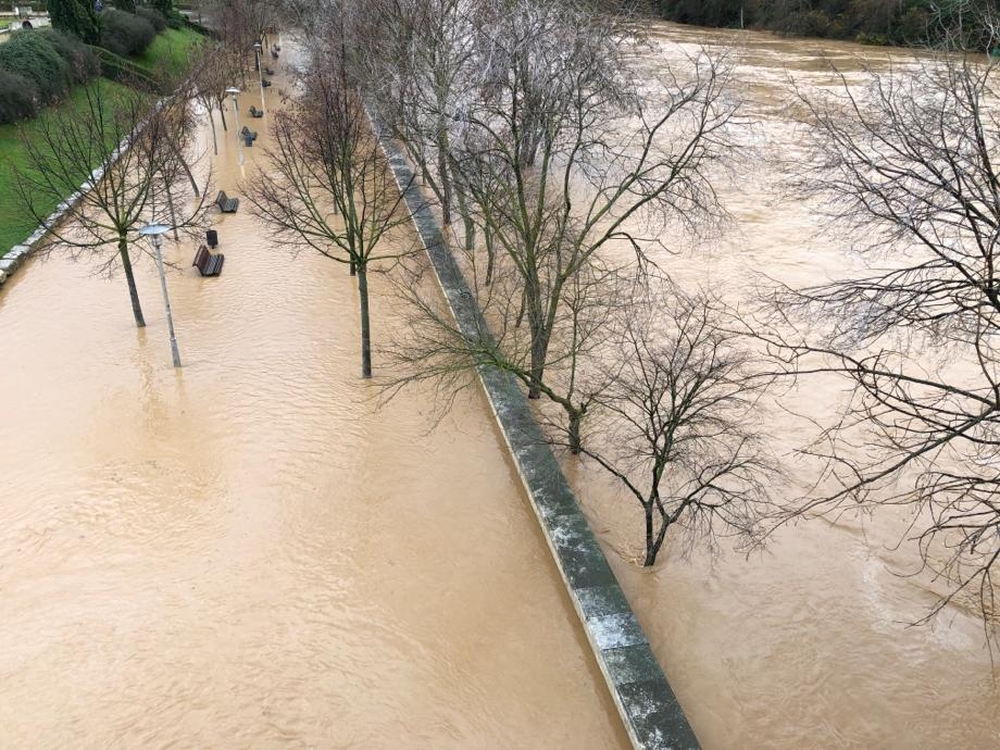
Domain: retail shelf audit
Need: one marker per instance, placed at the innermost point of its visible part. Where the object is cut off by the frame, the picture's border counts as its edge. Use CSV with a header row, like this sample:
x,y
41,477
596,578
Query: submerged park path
x,y
249,551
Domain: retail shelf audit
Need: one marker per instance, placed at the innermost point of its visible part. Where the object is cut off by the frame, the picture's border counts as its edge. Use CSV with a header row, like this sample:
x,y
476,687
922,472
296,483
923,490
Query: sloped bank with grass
x,y
42,75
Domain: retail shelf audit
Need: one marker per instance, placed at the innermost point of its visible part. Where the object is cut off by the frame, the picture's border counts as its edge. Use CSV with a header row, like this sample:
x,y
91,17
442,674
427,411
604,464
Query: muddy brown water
x,y
248,552
808,645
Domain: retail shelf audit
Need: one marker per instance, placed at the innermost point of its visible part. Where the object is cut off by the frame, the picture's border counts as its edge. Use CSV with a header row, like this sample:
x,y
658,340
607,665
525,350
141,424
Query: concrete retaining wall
x,y
647,705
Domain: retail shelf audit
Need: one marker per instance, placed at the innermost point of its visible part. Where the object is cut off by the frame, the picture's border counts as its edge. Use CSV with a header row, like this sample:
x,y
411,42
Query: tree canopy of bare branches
x,y
330,188
909,165
524,119
679,429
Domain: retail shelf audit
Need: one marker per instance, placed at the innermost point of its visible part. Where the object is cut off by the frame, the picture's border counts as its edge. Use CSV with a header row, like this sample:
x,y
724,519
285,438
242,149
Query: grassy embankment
x,y
168,54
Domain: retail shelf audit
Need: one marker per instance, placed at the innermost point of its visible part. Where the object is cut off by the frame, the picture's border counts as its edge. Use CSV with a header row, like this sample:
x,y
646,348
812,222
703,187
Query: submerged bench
x,y
254,112
248,133
226,204
208,264
265,82
268,72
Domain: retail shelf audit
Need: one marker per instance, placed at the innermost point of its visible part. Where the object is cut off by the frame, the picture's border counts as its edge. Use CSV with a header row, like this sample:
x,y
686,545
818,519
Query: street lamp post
x,y
156,231
259,51
234,92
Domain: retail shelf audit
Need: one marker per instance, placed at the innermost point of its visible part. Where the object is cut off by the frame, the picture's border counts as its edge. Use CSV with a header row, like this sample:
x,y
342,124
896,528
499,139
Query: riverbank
x,y
168,54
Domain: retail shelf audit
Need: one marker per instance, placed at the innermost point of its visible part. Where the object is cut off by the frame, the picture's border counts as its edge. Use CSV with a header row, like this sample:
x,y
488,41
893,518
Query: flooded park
x,y
255,550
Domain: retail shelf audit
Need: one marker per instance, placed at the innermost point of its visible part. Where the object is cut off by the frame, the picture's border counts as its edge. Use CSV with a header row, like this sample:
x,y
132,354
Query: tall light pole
x,y
259,51
234,92
156,231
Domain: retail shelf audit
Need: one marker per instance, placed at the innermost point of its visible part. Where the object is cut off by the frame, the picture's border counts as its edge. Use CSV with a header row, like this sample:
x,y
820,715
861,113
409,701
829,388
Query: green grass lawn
x,y
168,53
15,222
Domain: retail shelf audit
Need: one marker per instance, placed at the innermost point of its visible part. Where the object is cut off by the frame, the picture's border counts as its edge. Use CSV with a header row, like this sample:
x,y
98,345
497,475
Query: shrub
x,y
34,56
82,61
125,34
809,23
157,19
18,97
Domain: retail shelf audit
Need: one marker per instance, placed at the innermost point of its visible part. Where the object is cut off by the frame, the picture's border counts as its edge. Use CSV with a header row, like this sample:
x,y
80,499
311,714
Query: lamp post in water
x,y
156,232
234,92
259,51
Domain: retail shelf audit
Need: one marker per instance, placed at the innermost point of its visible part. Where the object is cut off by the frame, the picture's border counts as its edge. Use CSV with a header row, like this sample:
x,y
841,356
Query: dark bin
x,y
212,237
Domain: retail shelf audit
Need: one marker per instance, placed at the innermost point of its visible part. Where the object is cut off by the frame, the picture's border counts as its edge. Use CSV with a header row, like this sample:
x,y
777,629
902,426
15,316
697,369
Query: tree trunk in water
x,y
443,171
353,269
575,444
366,341
187,169
173,213
215,138
651,548
222,114
490,254
539,351
130,277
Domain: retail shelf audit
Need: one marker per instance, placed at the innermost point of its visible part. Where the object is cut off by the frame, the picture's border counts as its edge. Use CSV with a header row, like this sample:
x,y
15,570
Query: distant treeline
x,y
899,22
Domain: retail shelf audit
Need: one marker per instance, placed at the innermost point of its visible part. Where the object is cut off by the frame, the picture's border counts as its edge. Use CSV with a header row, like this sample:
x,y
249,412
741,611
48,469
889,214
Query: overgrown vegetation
x,y
38,68
967,23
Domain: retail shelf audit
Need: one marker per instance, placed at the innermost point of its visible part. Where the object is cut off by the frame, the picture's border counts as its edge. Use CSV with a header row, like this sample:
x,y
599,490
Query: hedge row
x,y
38,67
127,34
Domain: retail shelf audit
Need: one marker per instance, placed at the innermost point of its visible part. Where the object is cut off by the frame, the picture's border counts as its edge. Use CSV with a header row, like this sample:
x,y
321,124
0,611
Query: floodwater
x,y
809,644
248,552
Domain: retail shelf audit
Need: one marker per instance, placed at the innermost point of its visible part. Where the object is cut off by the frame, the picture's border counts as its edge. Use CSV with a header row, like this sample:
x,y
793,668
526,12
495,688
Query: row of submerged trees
x,y
558,174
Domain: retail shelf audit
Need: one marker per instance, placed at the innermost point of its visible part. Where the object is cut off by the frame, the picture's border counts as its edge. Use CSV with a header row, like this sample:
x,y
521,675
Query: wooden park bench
x,y
248,133
254,112
208,264
226,204
268,72
265,82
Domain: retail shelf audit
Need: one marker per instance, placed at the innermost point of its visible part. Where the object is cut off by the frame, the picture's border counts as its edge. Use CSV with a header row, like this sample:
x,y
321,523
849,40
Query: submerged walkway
x,y
248,552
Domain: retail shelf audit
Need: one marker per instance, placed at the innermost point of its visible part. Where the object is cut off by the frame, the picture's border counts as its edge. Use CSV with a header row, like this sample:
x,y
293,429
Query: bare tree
x,y
135,147
677,420
216,69
330,187
559,162
909,166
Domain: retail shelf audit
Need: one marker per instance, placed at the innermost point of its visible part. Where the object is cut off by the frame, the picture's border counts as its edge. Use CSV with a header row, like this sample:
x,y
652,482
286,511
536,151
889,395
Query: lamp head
x,y
155,231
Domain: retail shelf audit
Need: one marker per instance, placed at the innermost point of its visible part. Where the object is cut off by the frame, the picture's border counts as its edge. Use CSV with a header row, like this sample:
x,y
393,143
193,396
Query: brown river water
x,y
250,552
807,645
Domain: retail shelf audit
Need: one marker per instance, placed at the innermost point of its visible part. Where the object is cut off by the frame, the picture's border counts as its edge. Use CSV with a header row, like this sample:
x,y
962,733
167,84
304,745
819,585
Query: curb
x,y
648,707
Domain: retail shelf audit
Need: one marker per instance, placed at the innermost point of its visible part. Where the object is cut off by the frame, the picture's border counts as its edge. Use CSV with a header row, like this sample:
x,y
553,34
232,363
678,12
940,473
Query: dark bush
x,y
83,63
157,19
810,23
125,34
18,97
34,56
